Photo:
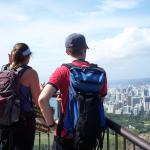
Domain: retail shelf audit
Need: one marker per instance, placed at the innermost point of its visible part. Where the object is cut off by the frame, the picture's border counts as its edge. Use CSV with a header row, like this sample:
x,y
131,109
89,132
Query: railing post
x,y
48,134
107,138
116,141
124,143
39,141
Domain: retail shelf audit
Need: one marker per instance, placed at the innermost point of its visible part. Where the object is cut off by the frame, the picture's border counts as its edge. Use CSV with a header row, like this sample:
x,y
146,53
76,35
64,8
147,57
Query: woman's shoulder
x,y
29,75
30,72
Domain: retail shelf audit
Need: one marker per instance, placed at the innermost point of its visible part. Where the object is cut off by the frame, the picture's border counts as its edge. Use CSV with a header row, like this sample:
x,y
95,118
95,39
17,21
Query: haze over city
x,y
117,33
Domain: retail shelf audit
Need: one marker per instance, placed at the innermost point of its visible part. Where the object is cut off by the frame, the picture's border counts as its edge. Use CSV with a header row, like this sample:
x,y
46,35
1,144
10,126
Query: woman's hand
x,y
9,58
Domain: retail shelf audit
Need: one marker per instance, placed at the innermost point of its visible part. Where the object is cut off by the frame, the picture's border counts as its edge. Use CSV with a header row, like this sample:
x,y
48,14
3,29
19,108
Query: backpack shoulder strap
x,y
20,71
93,65
69,65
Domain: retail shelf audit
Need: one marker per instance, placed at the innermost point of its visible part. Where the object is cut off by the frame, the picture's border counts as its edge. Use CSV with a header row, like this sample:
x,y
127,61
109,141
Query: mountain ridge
x,y
125,82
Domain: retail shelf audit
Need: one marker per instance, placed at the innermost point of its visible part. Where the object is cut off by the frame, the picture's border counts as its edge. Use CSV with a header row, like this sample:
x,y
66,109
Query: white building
x,y
127,109
110,108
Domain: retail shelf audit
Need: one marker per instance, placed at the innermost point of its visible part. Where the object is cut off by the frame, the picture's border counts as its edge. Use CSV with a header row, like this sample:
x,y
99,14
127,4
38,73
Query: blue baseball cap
x,y
76,41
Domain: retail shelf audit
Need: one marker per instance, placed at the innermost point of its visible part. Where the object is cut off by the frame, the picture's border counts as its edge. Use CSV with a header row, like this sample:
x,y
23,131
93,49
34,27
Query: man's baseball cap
x,y
76,41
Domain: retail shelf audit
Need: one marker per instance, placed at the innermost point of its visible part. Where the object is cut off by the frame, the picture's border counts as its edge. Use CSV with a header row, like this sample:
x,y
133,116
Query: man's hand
x,y
54,128
59,98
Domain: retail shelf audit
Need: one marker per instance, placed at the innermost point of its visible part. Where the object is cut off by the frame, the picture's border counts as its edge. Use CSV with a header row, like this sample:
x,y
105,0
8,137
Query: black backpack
x,y
84,118
10,99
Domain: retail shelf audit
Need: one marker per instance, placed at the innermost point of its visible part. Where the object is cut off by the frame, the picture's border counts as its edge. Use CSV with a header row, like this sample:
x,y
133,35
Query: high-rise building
x,y
135,100
147,103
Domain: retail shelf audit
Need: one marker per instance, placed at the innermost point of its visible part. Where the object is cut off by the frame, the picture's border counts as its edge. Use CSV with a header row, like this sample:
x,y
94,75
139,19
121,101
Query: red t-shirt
x,y
60,79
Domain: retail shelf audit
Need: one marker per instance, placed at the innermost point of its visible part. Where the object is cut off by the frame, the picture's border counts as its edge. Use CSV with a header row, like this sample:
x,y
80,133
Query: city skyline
x,y
128,100
117,33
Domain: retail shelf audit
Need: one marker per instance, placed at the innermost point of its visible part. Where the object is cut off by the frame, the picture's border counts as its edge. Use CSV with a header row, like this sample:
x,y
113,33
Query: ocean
x,y
54,103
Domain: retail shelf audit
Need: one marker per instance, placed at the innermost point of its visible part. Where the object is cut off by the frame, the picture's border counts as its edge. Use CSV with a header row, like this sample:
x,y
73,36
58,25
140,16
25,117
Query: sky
x,y
117,33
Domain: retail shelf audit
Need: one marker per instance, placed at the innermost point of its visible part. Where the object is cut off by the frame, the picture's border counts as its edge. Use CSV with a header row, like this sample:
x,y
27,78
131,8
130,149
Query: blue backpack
x,y
84,118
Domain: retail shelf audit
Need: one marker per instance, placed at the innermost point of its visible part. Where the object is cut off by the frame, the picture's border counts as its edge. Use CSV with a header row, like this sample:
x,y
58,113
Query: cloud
x,y
12,12
111,5
108,7
132,42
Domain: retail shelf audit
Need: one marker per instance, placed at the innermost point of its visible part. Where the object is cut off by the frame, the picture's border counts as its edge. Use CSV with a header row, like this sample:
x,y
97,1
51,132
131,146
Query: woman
x,y
23,131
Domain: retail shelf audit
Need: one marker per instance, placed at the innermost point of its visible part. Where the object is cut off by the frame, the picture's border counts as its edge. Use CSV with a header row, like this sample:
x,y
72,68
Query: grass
x,y
43,137
112,145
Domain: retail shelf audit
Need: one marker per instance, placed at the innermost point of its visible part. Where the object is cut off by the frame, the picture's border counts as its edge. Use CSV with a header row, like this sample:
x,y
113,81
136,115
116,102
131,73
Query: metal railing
x,y
130,140
122,139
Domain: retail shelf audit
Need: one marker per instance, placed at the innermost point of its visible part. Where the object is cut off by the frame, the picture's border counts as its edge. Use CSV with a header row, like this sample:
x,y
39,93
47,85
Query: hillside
x,y
126,82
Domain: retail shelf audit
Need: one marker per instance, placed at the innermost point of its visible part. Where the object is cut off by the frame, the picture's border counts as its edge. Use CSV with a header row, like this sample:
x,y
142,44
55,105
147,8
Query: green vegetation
x,y
43,138
137,124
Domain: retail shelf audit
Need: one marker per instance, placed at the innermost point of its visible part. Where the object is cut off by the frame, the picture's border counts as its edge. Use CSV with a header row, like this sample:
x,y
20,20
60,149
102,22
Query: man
x,y
76,48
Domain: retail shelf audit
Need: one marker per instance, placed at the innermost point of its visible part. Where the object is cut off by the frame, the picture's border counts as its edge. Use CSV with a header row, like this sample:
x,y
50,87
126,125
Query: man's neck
x,y
79,58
